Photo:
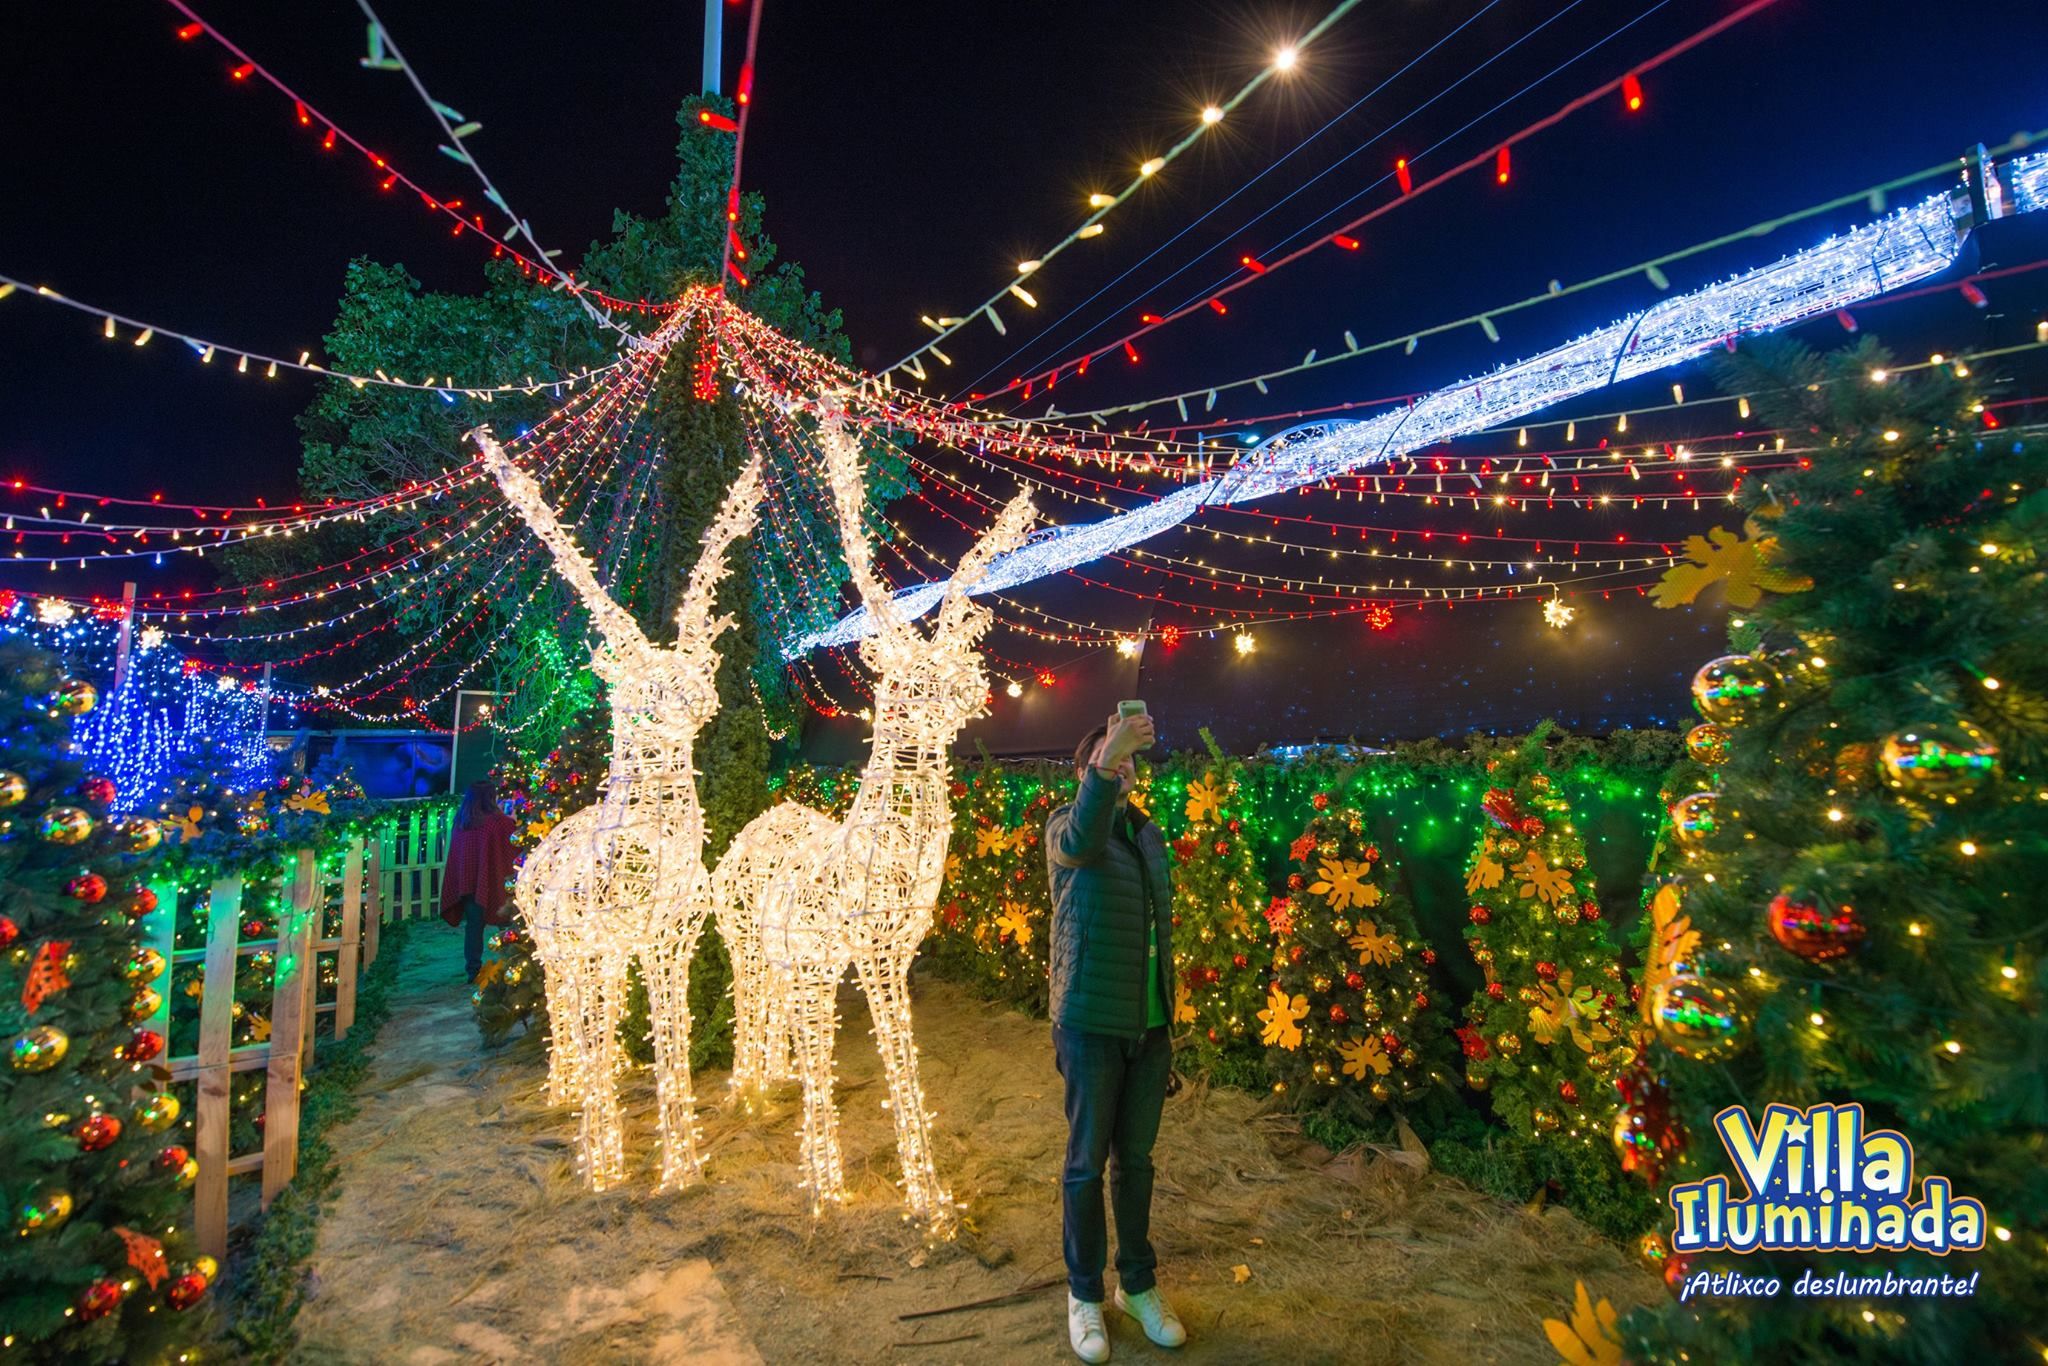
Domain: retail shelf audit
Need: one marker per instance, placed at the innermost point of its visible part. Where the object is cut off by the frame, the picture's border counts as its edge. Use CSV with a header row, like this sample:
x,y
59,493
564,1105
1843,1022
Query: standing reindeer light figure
x,y
624,879
861,890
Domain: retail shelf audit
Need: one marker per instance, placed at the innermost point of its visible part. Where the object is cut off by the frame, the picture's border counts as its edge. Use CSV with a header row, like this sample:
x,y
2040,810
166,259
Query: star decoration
x,y
1556,614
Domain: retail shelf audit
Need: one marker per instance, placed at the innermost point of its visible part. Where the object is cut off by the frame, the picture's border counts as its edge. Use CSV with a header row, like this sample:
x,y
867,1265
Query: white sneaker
x,y
1153,1314
1085,1330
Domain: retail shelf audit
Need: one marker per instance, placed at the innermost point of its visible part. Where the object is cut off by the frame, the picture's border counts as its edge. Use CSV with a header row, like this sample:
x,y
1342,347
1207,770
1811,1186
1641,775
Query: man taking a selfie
x,y
1112,988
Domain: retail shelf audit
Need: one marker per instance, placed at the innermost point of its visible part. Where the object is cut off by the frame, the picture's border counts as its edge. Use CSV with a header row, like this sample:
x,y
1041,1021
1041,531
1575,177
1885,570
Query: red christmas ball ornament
x,y
1018,875
1372,853
1495,991
1295,882
1479,915
1356,981
141,901
172,1158
1212,975
87,887
186,1291
1238,960
1547,971
1676,1269
1391,1042
1530,827
96,1131
1221,847
1803,925
510,936
1422,1000
1212,1034
1234,825
1339,1015
99,791
1184,848
1321,801
959,790
1294,953
1589,910
1429,956
98,1300
10,933
142,1045
1568,1093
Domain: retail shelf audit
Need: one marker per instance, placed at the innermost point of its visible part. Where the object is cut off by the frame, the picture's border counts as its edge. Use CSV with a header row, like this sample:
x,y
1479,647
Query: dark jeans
x,y
472,937
1115,1089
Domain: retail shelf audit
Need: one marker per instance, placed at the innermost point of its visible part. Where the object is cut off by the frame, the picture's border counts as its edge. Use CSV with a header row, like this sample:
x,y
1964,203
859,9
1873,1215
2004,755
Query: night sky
x,y
912,153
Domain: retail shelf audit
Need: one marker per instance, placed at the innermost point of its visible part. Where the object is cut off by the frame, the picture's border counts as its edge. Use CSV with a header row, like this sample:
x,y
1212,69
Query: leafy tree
x,y
1866,893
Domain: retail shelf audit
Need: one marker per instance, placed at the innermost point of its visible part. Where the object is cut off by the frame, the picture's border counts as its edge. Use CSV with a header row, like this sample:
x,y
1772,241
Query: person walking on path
x,y
1112,976
473,882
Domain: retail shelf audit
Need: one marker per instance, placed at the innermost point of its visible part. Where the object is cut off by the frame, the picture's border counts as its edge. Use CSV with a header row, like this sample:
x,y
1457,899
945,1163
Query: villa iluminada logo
x,y
1820,1181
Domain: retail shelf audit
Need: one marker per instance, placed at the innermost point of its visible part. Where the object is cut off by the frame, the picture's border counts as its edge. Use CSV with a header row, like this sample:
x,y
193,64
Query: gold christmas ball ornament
x,y
206,1266
1698,1018
141,834
158,1113
144,966
1652,1249
75,697
1509,1044
1854,765
1476,1079
1734,689
1544,1120
1692,818
66,825
43,1212
1944,762
38,1049
144,1004
188,1173
1707,744
13,789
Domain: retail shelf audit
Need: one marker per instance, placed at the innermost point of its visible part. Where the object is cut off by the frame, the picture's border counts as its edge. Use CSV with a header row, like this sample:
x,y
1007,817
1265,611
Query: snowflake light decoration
x,y
1557,614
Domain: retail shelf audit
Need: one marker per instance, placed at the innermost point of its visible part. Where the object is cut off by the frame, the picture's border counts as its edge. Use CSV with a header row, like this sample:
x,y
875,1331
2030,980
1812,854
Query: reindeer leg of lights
x,y
634,886
761,1032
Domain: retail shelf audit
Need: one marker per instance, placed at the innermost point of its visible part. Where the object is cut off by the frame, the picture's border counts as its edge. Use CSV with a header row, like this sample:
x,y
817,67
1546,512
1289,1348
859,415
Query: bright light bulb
x,y
1285,58
1245,644
1891,434
1152,166
1952,1047
1818,1019
1212,114
2009,972
1968,848
1098,200
1015,689
1879,376
1126,646
1988,548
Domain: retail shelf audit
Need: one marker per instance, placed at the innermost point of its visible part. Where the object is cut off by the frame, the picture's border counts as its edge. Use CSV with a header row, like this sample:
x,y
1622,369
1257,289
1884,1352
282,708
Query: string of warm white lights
x,y
1283,60
1345,237
1901,249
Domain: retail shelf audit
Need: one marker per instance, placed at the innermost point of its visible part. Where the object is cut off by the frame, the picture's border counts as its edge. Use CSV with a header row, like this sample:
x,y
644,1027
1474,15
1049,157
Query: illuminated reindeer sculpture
x,y
821,894
624,879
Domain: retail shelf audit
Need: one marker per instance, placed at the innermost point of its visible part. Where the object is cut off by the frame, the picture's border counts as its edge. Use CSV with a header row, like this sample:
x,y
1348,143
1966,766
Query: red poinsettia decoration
x,y
1473,1042
46,975
1280,915
1302,848
1499,804
1185,847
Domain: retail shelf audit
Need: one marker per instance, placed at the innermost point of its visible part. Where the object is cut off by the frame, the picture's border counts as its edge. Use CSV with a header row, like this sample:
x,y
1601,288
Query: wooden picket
x,y
393,873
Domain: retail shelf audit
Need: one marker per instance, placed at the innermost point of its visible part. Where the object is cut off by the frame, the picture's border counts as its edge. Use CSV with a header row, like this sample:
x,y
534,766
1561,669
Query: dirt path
x,y
461,1234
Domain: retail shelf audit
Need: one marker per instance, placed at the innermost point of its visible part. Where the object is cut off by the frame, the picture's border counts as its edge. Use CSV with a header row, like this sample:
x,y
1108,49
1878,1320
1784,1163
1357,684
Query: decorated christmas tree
x,y
508,990
97,1264
995,906
1222,943
1550,1029
1858,918
1373,1035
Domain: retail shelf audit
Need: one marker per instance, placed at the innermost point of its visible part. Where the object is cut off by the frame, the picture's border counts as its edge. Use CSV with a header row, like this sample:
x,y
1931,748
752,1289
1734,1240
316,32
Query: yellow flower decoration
x,y
538,830
491,972
187,825
307,801
989,840
1486,873
1673,941
1362,1056
1015,921
1205,799
1564,1009
1344,882
1590,1338
1183,1004
1141,797
1547,884
259,1028
952,867
1374,947
1282,1018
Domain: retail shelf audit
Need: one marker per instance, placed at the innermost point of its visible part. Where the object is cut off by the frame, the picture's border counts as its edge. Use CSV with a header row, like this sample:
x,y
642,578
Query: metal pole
x,y
127,635
714,42
264,727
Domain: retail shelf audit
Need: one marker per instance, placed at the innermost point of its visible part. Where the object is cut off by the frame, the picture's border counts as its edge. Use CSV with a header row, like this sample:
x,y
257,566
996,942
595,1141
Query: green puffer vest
x,y
1107,876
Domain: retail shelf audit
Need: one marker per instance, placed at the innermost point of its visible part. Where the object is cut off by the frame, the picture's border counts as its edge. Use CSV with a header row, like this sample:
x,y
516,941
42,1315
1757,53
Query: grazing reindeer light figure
x,y
624,878
862,890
